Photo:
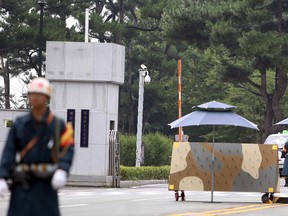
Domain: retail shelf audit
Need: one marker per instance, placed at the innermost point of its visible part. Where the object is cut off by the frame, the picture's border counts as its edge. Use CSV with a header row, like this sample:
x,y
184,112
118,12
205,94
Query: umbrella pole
x,y
212,174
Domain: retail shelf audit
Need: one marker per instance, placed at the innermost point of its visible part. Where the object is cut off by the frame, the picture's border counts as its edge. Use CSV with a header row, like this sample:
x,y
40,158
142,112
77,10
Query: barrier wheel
x,y
271,196
265,197
182,196
176,195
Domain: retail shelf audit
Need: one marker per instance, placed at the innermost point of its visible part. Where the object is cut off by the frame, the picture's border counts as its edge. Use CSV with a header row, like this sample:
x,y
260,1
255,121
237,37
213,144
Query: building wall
x,y
85,62
86,76
7,114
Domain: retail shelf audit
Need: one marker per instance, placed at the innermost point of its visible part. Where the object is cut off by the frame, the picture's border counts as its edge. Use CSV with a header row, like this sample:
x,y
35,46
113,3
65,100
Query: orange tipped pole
x,y
179,98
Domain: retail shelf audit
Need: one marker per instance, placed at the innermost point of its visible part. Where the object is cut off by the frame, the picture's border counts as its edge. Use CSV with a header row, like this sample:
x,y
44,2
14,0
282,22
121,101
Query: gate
x,y
114,158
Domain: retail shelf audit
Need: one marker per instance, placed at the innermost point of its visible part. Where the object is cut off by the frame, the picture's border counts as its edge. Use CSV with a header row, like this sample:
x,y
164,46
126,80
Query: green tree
x,y
19,41
136,25
250,40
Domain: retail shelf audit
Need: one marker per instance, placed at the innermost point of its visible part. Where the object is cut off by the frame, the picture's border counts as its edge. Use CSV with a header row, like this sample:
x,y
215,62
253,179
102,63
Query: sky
x,y
17,87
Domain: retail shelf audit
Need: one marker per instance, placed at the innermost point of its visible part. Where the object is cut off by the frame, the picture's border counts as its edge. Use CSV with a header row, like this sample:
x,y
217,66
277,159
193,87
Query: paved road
x,y
156,200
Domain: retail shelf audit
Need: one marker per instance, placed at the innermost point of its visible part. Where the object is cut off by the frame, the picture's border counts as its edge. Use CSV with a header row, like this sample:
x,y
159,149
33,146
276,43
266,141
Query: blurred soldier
x,y
37,157
285,165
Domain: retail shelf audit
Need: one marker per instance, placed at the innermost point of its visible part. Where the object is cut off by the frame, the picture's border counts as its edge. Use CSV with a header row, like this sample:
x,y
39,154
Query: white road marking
x,y
69,206
152,198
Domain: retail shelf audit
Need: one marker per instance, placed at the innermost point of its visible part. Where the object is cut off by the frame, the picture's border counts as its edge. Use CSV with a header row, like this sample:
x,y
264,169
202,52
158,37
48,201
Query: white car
x,y
280,140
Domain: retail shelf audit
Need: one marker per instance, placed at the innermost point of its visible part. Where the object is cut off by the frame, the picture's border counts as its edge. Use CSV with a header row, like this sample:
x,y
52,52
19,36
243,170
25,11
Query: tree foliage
x,y
233,51
247,39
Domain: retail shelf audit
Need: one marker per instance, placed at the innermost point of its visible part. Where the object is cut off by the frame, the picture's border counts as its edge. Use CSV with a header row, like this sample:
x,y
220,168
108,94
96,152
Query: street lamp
x,y
143,78
41,4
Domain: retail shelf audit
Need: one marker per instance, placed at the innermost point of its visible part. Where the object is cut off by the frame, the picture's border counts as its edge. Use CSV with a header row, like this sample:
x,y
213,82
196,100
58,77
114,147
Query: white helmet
x,y
40,85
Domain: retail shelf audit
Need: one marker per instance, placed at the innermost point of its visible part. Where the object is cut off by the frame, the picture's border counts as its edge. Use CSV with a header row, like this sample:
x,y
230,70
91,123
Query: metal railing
x,y
114,158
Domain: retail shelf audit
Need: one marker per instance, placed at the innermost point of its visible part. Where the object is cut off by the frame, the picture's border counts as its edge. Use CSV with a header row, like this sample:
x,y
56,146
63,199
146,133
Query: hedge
x,y
157,149
145,173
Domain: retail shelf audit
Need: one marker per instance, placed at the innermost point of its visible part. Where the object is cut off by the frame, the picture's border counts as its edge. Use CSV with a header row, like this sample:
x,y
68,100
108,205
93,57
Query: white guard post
x,y
85,78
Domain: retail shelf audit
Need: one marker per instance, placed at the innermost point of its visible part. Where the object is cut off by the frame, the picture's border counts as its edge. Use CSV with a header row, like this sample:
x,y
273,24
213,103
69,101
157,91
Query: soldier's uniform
x,y
51,148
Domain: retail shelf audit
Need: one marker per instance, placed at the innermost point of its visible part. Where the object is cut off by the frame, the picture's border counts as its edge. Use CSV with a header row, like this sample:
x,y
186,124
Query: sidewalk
x,y
123,184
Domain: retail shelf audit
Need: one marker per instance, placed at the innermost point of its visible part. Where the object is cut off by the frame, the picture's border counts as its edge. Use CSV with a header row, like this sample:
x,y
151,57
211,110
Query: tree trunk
x,y
272,101
118,36
131,114
6,82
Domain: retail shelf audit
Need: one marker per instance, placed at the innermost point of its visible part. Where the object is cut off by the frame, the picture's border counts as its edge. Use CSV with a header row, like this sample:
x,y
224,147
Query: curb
x,y
127,184
123,184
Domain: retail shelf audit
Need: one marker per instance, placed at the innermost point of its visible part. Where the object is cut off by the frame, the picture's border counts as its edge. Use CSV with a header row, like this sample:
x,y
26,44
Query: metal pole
x,y
140,117
212,165
86,24
41,4
179,100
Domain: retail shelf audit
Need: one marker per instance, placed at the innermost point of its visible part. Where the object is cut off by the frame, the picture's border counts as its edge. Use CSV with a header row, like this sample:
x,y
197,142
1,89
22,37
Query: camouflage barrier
x,y
237,167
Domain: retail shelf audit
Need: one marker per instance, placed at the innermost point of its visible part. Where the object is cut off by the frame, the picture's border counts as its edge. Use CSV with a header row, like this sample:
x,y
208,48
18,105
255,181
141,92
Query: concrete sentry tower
x,y
85,79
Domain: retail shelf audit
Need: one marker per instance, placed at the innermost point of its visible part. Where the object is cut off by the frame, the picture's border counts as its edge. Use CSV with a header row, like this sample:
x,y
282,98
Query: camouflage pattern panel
x,y
237,167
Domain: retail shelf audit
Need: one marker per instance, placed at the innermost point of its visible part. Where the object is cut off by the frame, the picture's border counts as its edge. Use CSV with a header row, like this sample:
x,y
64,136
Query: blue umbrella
x,y
208,117
213,113
214,105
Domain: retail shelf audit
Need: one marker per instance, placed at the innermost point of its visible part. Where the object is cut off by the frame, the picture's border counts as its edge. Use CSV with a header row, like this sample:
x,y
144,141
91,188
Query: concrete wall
x,y
85,62
86,76
5,115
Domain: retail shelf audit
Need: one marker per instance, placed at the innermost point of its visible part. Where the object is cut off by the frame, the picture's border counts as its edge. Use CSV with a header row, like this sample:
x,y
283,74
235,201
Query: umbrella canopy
x,y
214,105
283,122
201,117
